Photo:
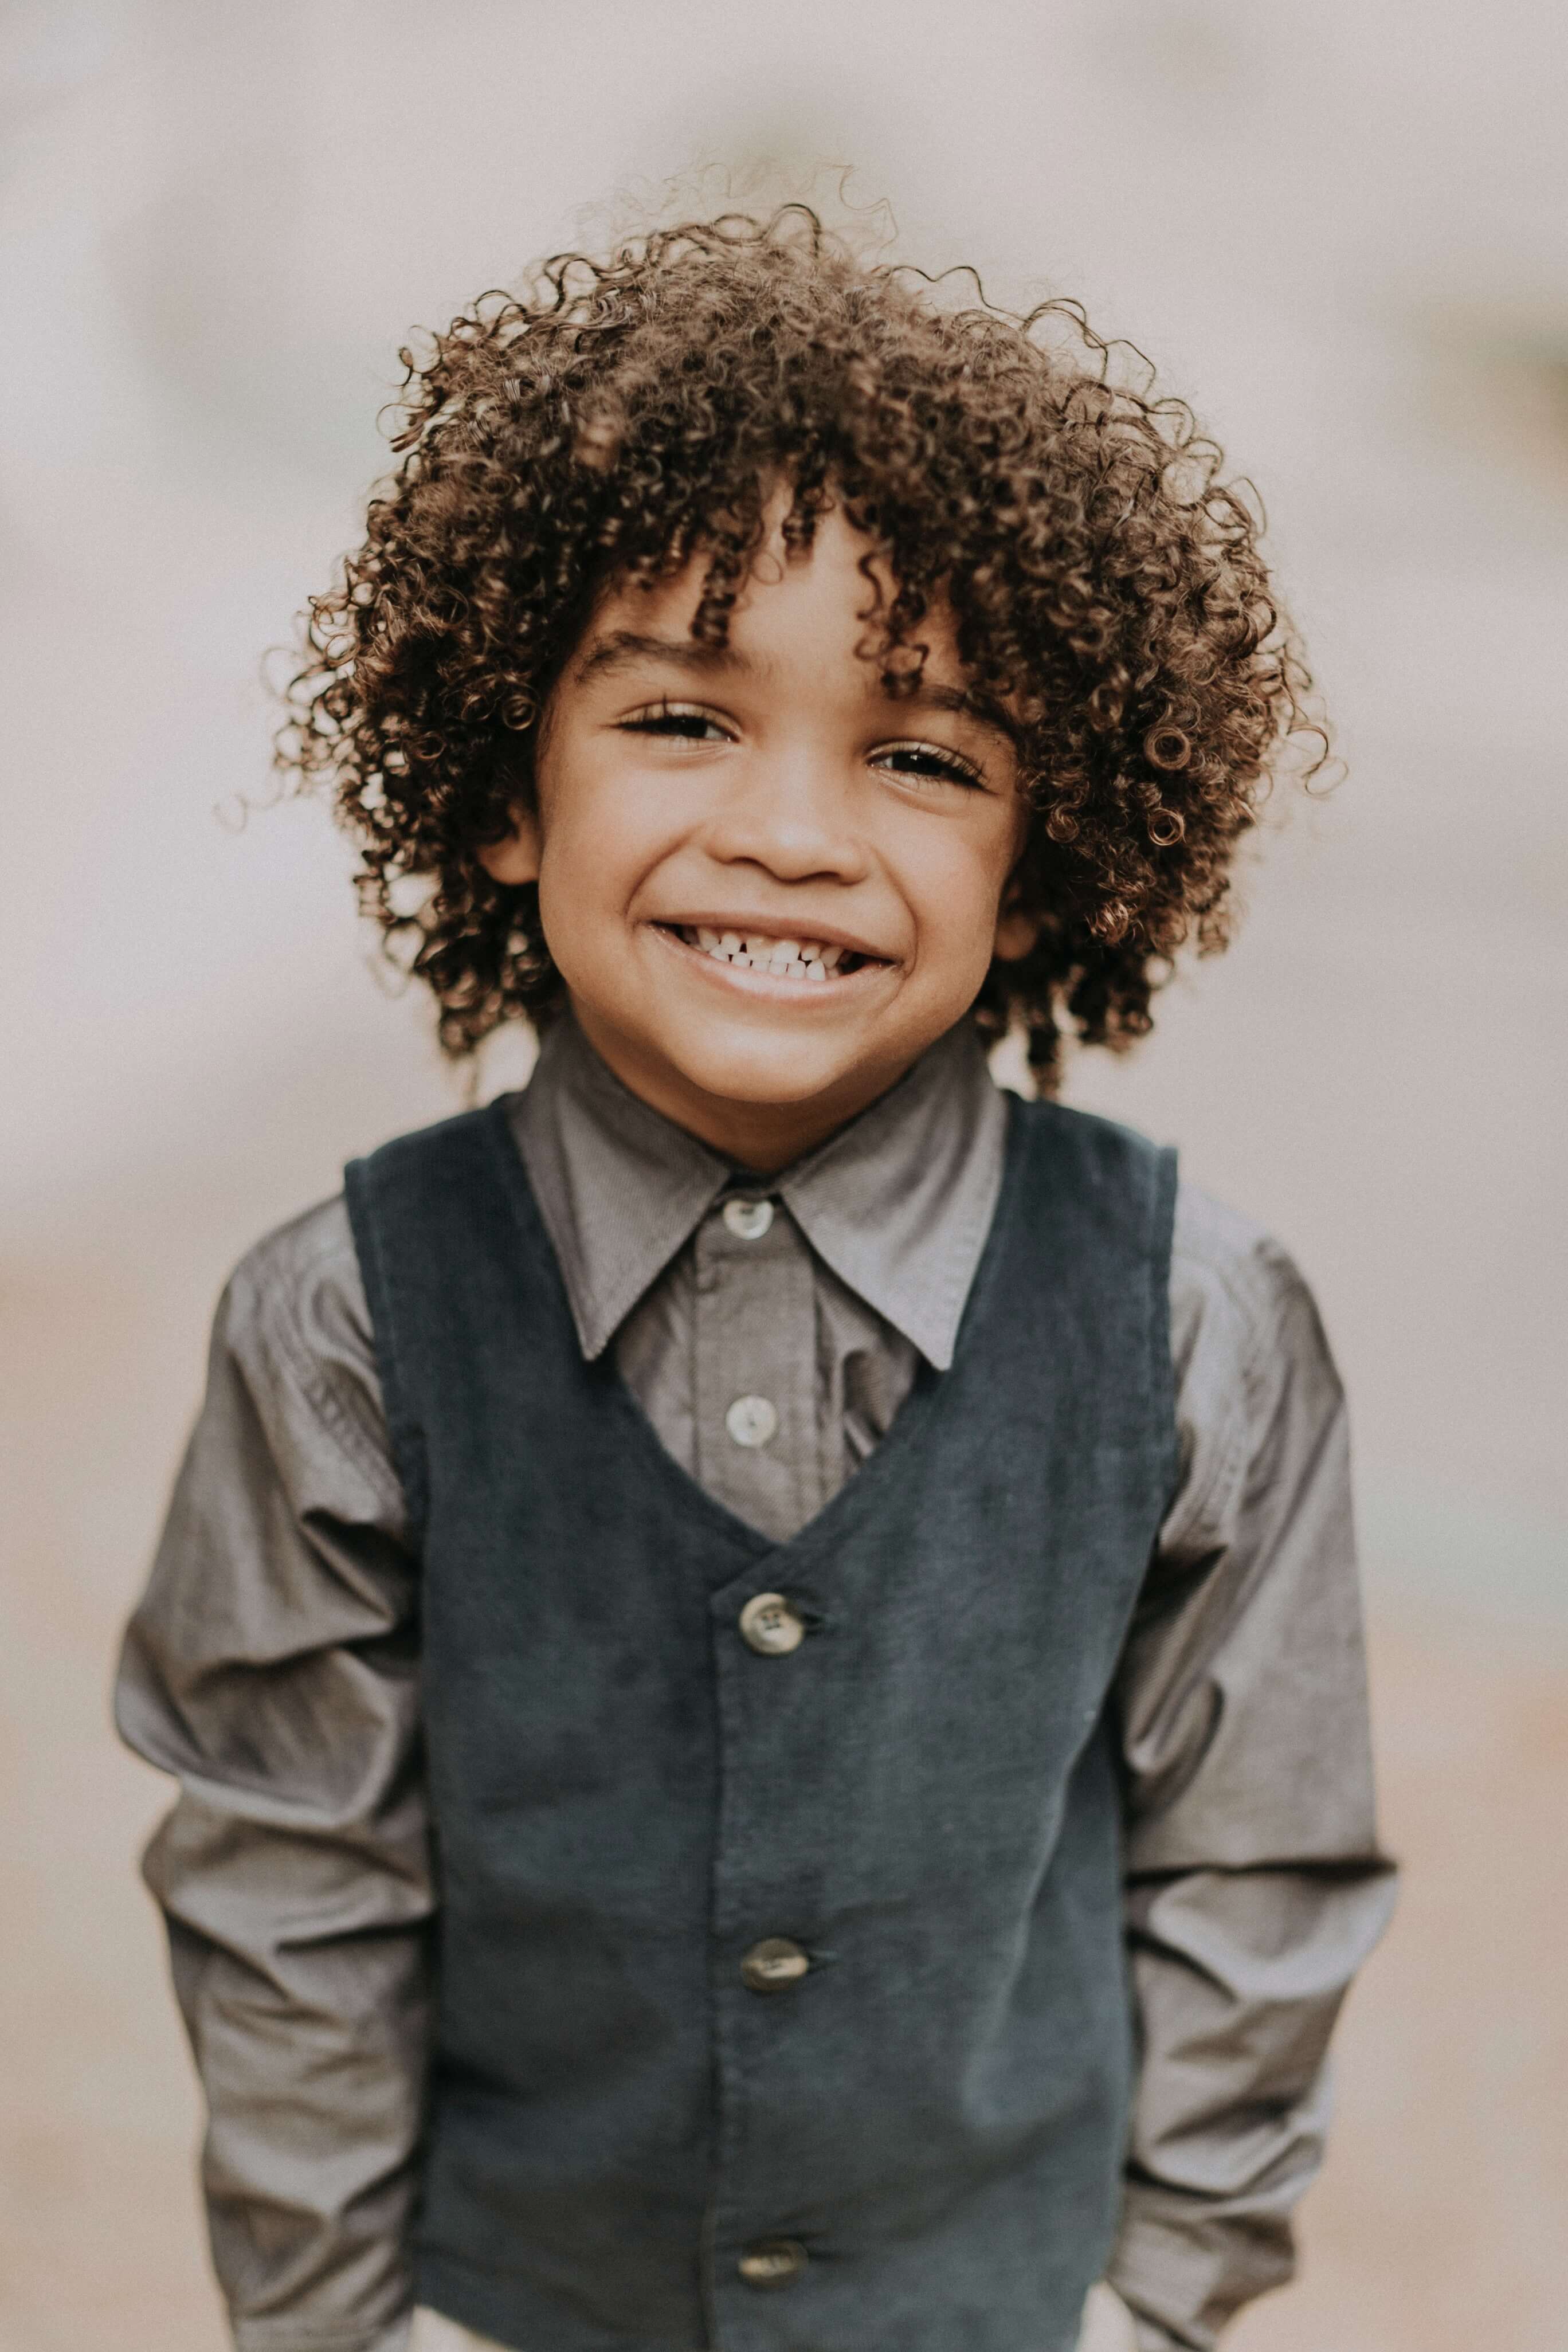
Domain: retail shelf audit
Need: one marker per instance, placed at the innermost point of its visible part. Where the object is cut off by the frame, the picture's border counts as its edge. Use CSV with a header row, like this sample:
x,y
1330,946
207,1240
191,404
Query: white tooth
x,y
830,957
788,948
815,972
743,960
718,954
795,969
730,941
705,938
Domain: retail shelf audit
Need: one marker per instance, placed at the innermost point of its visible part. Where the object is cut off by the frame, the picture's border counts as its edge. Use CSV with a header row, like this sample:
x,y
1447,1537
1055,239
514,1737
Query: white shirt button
x,y
748,1220
752,1421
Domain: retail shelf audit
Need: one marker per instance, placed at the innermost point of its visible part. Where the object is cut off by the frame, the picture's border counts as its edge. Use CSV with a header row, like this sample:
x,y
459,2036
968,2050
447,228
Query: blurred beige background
x,y
1341,228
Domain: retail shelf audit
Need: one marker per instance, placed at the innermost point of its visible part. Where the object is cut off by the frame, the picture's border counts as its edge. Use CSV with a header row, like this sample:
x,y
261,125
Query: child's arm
x,y
1256,1886
271,1668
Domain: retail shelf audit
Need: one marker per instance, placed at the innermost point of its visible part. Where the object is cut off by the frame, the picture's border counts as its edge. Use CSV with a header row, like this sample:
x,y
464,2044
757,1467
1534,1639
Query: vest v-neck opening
x,y
931,1386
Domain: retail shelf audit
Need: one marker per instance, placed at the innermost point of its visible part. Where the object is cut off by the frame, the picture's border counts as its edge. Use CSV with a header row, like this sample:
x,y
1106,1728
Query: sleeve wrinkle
x,y
280,1304
1214,1420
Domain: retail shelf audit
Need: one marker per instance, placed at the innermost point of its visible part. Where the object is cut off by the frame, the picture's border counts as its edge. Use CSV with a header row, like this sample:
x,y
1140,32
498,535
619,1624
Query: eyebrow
x,y
625,647
968,702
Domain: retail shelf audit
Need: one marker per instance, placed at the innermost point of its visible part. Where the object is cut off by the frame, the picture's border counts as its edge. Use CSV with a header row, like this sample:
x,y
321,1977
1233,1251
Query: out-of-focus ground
x,y
1341,229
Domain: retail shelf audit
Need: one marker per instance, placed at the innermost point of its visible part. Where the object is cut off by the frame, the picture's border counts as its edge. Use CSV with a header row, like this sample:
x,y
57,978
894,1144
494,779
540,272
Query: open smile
x,y
769,956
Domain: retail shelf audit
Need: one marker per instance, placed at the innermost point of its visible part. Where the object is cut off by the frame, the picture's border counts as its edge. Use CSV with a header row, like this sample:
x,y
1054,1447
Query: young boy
x,y
760,1639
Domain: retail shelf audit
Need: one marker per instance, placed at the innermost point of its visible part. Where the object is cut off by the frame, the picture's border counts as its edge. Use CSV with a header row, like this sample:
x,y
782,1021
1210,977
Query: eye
x,y
677,722
924,764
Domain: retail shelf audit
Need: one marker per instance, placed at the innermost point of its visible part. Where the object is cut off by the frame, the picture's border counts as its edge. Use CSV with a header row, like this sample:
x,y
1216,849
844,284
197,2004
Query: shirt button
x,y
770,1626
775,1963
751,1421
773,2262
748,1220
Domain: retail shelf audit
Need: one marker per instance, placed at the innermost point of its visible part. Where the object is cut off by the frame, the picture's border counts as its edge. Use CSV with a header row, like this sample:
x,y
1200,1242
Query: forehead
x,y
842,570
816,609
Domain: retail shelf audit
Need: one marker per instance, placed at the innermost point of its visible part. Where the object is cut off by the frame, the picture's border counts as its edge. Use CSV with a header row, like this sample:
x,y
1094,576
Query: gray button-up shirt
x,y
770,1329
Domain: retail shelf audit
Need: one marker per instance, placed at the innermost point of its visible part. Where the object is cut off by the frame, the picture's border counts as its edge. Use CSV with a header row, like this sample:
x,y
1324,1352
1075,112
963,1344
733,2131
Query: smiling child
x,y
768,882
760,1639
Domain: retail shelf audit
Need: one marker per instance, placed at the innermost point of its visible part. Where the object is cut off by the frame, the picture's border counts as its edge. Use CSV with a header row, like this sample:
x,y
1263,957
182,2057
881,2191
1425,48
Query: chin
x,y
760,1072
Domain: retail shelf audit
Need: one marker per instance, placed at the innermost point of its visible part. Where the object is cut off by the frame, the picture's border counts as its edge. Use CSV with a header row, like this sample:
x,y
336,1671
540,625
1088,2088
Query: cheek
x,y
593,821
573,881
959,886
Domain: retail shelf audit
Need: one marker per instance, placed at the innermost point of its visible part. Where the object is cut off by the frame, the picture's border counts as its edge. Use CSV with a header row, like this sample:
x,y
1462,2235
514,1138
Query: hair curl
x,y
621,415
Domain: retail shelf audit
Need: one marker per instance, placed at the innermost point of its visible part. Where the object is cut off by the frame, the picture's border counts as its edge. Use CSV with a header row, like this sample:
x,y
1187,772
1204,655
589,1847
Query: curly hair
x,y
621,416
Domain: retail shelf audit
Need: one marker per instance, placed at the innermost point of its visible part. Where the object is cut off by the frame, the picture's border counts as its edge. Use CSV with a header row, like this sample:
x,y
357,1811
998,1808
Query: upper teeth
x,y
762,951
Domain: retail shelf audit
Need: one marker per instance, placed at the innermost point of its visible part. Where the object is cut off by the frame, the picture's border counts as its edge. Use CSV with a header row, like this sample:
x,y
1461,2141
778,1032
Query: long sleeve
x,y
271,1667
1256,1886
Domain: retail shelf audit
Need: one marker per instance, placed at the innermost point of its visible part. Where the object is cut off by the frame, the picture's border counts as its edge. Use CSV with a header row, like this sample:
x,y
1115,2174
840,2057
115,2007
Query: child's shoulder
x,y
306,1271
1217,1248
295,1302
309,1251
1231,1281
1241,1310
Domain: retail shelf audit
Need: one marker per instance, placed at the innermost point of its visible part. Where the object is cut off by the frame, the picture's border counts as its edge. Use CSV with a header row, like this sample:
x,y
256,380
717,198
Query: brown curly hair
x,y
621,416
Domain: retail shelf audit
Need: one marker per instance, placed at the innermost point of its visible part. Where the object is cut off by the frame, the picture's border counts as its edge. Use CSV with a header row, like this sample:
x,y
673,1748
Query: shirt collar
x,y
897,1203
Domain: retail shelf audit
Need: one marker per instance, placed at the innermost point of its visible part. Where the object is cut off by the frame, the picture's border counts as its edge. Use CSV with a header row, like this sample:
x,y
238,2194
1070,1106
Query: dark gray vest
x,y
914,2144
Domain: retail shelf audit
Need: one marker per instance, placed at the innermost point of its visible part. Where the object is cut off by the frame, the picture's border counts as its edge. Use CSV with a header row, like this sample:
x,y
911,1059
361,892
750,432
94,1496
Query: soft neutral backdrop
x,y
1340,229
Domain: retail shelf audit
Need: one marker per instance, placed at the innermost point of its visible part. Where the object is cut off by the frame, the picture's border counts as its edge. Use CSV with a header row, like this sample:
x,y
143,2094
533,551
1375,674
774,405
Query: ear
x,y
1017,932
515,860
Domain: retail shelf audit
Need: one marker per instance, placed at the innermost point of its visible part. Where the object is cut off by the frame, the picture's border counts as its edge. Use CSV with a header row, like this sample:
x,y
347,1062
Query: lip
x,y
767,984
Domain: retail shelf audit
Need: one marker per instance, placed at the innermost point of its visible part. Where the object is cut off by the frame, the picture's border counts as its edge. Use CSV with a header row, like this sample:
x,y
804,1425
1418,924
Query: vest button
x,y
748,1220
773,2262
770,1626
775,1963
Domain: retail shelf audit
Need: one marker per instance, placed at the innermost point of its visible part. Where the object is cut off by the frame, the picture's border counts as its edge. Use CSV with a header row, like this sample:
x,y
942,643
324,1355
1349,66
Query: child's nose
x,y
792,816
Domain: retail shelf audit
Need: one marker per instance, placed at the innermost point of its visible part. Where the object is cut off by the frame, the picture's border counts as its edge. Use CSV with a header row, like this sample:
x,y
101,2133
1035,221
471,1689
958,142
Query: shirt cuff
x,y
1184,2272
270,2336
1150,2337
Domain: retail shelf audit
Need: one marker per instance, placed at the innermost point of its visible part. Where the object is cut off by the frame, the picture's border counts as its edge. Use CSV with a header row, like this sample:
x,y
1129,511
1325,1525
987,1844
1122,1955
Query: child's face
x,y
771,792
